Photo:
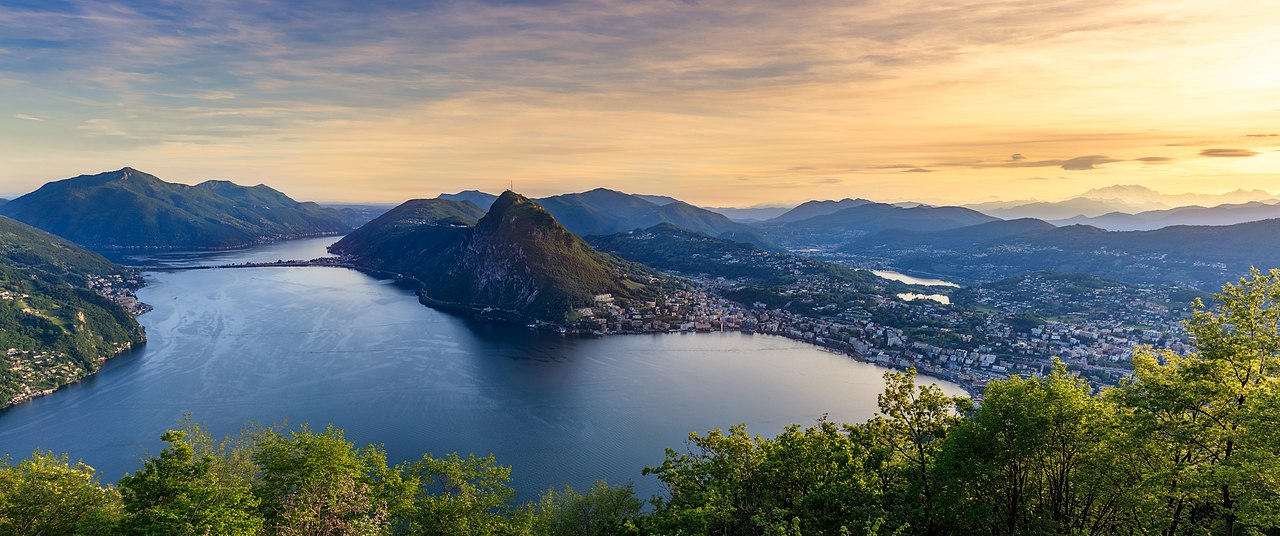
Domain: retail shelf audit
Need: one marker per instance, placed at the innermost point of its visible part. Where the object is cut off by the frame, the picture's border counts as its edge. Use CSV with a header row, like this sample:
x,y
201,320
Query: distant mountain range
x,y
49,315
515,262
131,209
750,214
847,225
810,209
603,211
1121,199
1200,256
1228,214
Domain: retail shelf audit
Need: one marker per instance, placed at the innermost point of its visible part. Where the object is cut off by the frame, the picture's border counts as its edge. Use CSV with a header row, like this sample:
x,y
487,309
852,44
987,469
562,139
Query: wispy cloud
x,y
29,117
1228,153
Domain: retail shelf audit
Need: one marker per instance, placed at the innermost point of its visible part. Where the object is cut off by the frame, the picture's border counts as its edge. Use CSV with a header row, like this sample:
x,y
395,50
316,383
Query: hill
x,y
602,212
54,330
971,235
811,209
410,238
131,209
751,214
840,228
481,199
1198,256
513,263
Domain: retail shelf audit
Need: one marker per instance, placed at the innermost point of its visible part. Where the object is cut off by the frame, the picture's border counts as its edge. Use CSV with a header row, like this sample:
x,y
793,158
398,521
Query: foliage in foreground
x,y
1188,446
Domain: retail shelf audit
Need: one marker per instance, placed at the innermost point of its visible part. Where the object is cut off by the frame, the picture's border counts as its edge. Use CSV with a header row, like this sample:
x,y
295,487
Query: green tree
x,y
456,495
601,511
1037,458
180,493
1205,424
321,484
49,495
907,436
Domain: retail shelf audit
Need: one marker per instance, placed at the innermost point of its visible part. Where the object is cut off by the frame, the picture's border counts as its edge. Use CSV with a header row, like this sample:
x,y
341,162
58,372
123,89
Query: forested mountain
x,y
844,226
971,235
53,329
810,209
671,248
602,212
131,209
514,262
410,238
1200,256
480,199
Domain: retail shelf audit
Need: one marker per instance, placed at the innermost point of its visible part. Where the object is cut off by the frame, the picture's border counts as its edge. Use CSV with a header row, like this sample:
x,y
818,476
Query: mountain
x,y
811,209
846,226
671,248
657,199
1069,208
971,235
1141,195
54,330
480,199
515,262
602,211
356,215
410,238
750,214
1229,214
1120,198
1197,256
131,209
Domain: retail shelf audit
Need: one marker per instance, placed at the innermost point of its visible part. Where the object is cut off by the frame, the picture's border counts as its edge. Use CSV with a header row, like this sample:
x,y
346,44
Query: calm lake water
x,y
334,346
912,280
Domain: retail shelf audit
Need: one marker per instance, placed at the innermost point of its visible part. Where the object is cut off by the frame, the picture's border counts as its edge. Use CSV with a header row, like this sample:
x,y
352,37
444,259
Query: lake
x,y
912,280
335,346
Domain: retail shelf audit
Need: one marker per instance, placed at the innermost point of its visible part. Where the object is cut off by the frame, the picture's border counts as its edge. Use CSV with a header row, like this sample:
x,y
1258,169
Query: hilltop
x,y
128,208
515,262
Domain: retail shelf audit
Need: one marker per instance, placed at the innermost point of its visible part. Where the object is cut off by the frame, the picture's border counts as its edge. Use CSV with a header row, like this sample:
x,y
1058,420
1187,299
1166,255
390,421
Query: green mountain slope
x,y
131,209
54,330
840,228
411,238
514,263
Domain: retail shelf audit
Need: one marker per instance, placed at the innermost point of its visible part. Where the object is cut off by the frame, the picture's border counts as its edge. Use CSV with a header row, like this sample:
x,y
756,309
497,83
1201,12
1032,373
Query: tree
x,y
320,484
179,493
907,436
456,495
49,495
1208,421
601,511
1036,458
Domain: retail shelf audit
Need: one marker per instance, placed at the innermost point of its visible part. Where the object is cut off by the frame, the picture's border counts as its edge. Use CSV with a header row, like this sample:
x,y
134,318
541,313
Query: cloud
x,y
917,170
1261,135
1039,179
28,117
1016,157
1154,159
1228,153
1081,163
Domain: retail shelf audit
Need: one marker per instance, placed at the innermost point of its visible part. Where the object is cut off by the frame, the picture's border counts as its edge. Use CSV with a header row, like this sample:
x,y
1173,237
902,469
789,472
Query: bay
x,y
335,346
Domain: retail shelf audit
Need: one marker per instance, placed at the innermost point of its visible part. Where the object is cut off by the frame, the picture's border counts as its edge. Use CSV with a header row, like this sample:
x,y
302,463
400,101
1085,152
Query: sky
x,y
718,102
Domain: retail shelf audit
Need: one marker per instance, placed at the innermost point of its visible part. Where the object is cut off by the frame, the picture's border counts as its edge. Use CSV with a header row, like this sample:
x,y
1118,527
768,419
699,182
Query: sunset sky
x,y
732,102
